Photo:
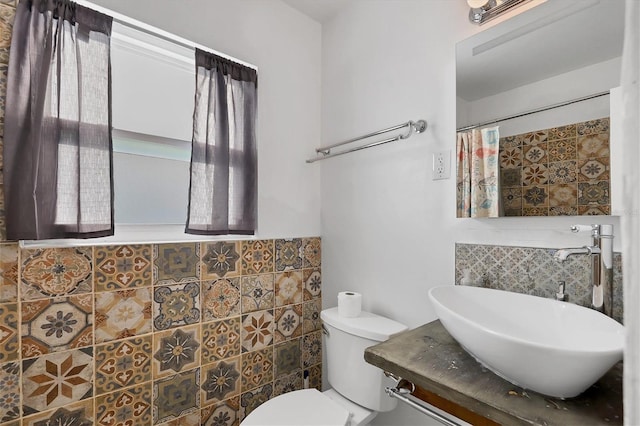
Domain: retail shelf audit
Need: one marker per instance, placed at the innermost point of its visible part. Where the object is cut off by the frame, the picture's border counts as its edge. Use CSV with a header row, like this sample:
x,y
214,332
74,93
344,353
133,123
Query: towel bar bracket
x,y
403,390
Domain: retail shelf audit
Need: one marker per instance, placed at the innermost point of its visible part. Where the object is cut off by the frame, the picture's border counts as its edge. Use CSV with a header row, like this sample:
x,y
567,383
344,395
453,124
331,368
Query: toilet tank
x,y
348,373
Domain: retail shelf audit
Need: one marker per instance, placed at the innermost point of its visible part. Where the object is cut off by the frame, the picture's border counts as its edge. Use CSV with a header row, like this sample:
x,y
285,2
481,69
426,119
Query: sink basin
x,y
555,348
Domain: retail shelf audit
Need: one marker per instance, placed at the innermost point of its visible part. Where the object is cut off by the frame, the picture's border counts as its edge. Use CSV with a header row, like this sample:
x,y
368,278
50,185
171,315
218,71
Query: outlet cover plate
x,y
441,165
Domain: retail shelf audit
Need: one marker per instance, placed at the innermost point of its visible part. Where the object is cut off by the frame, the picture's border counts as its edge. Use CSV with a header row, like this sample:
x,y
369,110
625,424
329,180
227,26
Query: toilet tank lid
x,y
367,325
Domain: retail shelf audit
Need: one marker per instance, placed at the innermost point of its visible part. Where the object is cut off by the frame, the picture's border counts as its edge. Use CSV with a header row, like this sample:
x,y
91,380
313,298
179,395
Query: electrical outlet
x,y
442,165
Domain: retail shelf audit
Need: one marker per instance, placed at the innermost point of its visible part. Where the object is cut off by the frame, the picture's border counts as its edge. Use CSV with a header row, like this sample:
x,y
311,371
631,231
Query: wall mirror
x,y
557,160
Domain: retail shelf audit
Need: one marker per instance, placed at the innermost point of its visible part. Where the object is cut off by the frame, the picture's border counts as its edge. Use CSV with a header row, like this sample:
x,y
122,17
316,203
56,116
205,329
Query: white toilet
x,y
358,388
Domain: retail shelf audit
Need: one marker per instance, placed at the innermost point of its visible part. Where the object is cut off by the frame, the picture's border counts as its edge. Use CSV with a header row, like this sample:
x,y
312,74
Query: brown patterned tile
x,y
511,157
123,363
8,272
512,200
287,357
123,313
125,407
78,414
563,172
176,396
288,323
176,263
10,395
288,288
257,292
533,138
311,349
57,379
535,196
220,339
594,169
312,279
315,376
562,132
220,298
594,210
252,399
510,141
257,330
535,154
119,267
288,383
563,211
511,177
312,252
535,211
592,127
176,305
58,324
257,257
56,272
176,350
565,195
225,413
220,259
535,174
562,150
257,368
312,320
8,332
593,146
593,193
288,254
220,380
190,419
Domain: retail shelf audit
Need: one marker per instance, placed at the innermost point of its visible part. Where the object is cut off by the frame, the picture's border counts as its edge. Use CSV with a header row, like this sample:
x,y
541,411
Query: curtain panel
x,y
58,178
223,184
478,191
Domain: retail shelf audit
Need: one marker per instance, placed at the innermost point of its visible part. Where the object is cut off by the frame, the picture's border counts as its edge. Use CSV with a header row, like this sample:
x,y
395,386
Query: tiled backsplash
x,y
180,334
534,271
558,171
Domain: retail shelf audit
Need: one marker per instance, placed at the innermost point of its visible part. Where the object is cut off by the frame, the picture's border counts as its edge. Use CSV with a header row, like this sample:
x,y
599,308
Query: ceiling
x,y
318,10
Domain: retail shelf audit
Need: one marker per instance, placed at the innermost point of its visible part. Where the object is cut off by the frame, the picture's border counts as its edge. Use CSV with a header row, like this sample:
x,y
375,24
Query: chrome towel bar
x,y
413,127
401,393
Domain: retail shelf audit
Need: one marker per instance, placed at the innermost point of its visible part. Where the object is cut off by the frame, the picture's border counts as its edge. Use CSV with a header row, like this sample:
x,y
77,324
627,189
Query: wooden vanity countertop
x,y
431,359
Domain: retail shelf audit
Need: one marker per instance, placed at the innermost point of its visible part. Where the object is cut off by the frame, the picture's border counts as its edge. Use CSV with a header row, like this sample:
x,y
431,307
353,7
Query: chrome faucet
x,y
601,253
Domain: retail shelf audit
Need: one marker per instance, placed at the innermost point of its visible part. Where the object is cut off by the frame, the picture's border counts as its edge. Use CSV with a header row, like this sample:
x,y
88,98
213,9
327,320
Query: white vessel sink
x,y
554,348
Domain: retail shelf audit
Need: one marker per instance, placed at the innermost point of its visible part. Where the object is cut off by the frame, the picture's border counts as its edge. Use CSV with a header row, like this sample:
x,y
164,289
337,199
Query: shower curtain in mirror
x,y
478,193
223,188
57,135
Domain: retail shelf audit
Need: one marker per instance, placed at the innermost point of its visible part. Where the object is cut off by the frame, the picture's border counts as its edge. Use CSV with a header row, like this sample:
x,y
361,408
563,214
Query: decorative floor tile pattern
x,y
123,363
56,272
57,324
288,254
251,400
176,396
220,298
8,332
257,292
10,395
257,257
312,279
176,263
220,380
78,414
123,313
176,305
8,272
225,413
287,357
120,267
575,155
57,379
288,288
288,323
126,407
257,368
220,259
312,320
312,252
257,330
176,350
220,340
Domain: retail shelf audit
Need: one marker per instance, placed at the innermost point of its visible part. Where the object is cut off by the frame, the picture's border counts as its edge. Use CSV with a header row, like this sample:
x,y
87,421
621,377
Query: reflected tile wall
x,y
533,271
157,334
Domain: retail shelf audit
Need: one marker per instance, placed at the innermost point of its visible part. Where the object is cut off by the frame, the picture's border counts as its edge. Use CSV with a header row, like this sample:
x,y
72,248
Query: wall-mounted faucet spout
x,y
601,253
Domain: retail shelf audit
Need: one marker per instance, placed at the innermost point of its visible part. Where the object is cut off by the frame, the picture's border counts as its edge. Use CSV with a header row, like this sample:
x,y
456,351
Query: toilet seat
x,y
307,407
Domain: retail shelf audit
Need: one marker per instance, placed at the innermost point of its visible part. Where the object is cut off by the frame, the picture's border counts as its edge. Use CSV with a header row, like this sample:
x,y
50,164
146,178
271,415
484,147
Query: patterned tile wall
x,y
167,334
533,271
557,172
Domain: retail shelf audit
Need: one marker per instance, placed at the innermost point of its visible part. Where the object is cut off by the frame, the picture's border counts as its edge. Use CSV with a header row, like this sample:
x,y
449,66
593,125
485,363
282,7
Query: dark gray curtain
x,y
57,137
223,188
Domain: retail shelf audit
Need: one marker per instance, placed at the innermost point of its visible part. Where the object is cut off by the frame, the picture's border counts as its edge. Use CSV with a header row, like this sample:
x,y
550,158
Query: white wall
x,y
285,46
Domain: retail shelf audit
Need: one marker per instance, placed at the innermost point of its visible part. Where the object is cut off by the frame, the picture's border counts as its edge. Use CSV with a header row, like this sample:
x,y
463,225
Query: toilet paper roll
x,y
349,304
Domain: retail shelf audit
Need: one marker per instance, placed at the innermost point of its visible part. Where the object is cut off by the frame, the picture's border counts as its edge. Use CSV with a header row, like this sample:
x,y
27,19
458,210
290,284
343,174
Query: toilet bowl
x,y
357,393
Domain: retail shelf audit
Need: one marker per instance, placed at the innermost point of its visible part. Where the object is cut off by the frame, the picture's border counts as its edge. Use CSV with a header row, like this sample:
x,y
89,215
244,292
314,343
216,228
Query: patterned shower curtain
x,y
478,192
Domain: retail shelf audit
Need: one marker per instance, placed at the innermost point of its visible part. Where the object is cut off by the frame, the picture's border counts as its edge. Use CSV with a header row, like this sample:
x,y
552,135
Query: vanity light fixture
x,y
482,11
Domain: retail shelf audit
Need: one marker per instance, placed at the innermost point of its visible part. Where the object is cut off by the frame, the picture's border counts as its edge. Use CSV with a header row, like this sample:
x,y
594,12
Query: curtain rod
x,y
534,111
155,31
414,126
